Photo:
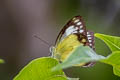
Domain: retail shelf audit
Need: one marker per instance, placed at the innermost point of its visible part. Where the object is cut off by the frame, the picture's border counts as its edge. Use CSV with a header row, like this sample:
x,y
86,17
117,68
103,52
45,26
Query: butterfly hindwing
x,y
90,36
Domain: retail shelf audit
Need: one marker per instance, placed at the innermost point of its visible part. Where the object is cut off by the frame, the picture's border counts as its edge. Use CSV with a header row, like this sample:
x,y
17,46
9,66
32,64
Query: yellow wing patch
x,y
65,47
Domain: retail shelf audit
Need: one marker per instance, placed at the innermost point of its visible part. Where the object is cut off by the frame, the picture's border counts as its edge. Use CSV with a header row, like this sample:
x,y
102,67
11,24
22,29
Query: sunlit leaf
x,y
114,60
79,56
113,42
57,78
116,71
40,69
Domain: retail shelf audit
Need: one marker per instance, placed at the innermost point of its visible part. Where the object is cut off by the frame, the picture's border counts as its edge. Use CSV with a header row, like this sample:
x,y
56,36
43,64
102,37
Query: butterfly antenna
x,y
45,42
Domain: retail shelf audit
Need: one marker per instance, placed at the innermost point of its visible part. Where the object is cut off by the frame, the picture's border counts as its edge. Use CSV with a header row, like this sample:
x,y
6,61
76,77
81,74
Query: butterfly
x,y
70,37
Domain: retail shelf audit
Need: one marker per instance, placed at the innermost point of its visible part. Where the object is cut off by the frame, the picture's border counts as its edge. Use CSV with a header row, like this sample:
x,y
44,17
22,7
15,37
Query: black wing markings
x,y
74,26
90,36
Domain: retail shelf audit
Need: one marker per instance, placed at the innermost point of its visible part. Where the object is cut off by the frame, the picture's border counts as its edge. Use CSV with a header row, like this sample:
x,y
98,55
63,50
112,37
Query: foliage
x,y
40,69
113,59
1,61
112,42
49,69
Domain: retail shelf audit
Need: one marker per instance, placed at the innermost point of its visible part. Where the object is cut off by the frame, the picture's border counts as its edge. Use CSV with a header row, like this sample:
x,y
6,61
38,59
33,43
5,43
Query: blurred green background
x,y
21,19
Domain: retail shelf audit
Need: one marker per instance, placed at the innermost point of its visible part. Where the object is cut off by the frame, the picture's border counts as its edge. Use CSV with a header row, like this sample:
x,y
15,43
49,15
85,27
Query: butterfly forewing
x,y
74,26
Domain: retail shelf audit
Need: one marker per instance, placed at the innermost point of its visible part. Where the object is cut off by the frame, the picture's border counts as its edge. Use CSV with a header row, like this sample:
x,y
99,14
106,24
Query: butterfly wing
x,y
74,26
90,36
73,34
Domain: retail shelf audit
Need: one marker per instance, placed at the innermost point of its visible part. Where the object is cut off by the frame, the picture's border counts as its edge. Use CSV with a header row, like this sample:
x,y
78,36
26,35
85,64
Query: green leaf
x,y
113,42
116,71
57,78
114,60
40,69
79,56
1,61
